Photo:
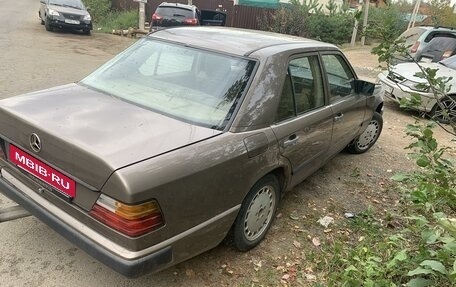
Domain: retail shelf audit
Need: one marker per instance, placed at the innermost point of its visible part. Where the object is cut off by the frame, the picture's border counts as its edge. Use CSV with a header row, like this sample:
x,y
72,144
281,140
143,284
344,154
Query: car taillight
x,y
156,17
415,47
132,220
191,21
447,54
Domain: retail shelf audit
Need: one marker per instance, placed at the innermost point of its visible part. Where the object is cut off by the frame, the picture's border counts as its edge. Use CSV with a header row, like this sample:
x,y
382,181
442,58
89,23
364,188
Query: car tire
x,y
257,213
449,103
47,25
86,32
367,139
41,18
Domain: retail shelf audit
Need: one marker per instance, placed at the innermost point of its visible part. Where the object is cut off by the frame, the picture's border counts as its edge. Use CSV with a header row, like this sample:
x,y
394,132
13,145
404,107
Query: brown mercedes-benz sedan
x,y
188,135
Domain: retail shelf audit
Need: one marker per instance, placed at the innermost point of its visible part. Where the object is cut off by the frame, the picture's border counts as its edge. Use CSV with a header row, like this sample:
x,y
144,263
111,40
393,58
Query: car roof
x,y
232,40
167,4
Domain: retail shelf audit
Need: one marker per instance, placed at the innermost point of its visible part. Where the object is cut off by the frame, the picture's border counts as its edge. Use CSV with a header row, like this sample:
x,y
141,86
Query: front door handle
x,y
338,117
292,140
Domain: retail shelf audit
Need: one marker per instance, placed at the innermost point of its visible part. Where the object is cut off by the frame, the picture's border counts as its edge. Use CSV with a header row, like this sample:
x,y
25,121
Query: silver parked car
x,y
189,135
401,81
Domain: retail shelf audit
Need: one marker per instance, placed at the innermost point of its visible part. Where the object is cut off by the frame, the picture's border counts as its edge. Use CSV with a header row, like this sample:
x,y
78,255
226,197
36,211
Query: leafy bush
x,y
334,29
99,9
385,23
307,19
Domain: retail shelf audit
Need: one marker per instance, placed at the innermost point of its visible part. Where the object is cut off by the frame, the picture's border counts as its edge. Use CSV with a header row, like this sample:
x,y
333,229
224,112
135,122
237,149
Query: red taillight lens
x,y
191,21
132,220
415,47
447,54
156,17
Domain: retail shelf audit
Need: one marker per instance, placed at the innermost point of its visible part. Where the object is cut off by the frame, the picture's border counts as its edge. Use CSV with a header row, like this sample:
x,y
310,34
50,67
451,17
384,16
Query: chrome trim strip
x,y
84,230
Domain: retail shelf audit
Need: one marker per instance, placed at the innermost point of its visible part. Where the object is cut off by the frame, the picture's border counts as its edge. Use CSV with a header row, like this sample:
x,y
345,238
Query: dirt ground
x,y
33,255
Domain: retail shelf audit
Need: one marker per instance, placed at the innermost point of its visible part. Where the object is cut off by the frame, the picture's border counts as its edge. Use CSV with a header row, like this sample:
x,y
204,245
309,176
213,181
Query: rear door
x,y
213,18
348,107
303,120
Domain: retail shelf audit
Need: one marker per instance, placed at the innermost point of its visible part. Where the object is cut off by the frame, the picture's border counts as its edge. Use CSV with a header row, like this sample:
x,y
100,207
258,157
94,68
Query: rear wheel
x,y
446,111
86,31
368,138
257,213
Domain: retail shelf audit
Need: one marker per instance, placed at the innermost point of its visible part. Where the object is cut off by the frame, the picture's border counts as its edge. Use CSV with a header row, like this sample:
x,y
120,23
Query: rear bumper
x,y
128,267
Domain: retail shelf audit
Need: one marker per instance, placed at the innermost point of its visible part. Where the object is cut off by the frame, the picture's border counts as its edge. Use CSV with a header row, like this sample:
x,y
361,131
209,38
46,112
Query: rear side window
x,y
440,44
303,88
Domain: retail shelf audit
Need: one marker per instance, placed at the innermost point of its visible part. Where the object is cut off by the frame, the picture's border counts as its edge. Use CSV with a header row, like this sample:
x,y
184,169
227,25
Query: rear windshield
x,y
440,44
165,11
186,83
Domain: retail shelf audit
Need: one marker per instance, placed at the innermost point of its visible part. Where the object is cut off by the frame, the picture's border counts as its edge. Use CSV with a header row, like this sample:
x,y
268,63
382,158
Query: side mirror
x,y
88,8
363,87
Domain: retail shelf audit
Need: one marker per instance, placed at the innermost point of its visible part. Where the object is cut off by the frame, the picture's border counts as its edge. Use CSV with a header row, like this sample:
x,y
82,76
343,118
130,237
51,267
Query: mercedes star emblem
x,y
35,142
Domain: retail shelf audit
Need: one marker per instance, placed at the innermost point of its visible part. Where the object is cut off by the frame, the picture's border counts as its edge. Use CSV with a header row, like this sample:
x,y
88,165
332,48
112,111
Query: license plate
x,y
426,60
69,21
388,90
49,175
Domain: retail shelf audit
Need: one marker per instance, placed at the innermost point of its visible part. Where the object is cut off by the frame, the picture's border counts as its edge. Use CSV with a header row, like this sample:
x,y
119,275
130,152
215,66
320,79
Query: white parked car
x,y
401,81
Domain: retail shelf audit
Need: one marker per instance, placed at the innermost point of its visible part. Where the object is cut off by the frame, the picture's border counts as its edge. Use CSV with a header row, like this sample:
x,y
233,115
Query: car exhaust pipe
x,y
13,212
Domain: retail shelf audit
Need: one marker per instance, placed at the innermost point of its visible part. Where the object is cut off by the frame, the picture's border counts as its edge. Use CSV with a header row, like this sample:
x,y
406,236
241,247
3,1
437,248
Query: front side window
x,y
186,83
303,88
340,77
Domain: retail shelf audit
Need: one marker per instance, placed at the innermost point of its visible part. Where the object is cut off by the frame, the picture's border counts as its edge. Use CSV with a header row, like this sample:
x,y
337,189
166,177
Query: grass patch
x,y
117,21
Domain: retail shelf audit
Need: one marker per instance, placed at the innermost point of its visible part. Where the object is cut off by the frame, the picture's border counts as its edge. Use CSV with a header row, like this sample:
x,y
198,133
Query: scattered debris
x,y
316,241
297,244
349,215
326,221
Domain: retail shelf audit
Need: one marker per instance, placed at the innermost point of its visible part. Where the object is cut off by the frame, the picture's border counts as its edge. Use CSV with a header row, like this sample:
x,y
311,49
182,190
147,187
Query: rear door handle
x,y
338,117
292,140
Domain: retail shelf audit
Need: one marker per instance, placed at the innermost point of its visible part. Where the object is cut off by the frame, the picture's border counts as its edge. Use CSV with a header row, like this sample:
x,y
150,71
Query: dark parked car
x,y
438,49
155,157
70,14
176,14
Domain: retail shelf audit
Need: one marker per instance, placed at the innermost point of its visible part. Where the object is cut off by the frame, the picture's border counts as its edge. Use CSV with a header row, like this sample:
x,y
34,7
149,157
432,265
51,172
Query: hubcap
x,y
369,135
259,213
448,113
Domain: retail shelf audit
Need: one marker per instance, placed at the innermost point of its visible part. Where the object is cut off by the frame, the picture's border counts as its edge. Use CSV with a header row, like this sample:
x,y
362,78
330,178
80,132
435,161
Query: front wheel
x,y
368,138
47,25
257,213
446,111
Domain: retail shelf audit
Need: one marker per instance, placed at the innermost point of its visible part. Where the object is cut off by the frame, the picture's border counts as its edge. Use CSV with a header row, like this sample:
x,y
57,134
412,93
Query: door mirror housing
x,y
364,87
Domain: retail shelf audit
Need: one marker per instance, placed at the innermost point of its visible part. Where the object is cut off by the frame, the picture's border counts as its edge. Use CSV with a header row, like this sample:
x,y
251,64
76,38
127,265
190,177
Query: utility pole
x,y
142,13
366,14
414,14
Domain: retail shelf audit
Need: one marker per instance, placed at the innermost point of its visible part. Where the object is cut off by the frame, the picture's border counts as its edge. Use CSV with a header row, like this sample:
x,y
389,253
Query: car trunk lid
x,y
87,134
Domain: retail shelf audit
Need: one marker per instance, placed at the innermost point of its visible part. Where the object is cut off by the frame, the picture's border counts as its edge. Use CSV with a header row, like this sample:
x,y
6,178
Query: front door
x,y
348,106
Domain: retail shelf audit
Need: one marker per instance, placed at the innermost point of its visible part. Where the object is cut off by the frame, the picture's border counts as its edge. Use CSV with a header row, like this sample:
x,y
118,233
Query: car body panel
x,y
198,176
